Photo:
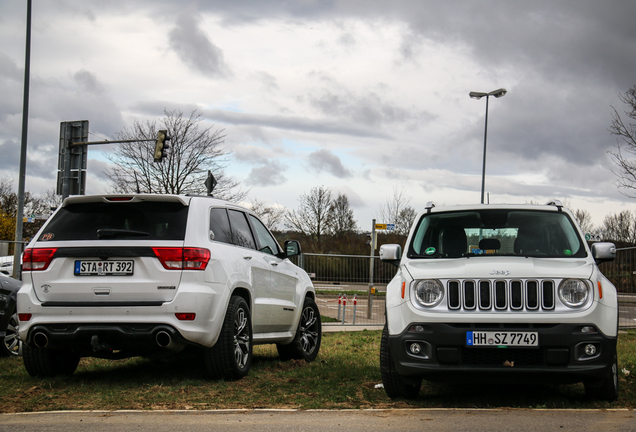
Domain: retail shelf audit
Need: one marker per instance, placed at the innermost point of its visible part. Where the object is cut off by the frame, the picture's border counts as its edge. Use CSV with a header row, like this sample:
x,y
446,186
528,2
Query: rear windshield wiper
x,y
112,233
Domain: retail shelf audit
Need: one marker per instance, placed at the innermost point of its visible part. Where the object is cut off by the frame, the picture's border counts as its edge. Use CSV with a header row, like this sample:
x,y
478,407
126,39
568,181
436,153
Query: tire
x,y
608,390
306,343
394,385
43,363
231,357
11,344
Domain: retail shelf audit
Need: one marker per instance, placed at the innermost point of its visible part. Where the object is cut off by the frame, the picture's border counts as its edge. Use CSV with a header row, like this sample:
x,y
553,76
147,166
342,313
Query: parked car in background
x,y
499,294
116,276
8,316
6,265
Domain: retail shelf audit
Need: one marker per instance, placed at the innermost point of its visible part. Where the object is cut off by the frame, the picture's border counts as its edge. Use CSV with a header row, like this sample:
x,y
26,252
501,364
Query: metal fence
x,y
350,289
363,279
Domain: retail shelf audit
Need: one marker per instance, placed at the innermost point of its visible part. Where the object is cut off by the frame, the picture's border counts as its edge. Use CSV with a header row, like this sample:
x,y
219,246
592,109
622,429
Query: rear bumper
x,y
119,340
559,358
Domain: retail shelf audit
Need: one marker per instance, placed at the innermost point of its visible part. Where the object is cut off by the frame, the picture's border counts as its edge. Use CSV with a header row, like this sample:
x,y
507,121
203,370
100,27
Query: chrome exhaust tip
x,y
40,340
163,339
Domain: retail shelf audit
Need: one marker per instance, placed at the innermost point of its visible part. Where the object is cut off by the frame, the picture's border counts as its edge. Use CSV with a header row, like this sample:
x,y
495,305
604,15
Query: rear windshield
x,y
496,232
118,220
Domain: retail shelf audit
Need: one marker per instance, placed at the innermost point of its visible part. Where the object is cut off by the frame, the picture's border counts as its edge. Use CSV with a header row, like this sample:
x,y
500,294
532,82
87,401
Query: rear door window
x,y
241,232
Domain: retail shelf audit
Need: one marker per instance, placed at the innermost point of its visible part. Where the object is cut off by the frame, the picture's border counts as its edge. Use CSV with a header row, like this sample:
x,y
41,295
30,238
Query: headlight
x,y
573,292
428,292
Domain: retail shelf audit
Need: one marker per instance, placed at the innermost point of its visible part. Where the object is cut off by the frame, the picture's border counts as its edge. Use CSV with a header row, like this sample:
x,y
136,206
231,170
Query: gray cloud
x,y
87,81
267,173
369,110
268,81
324,160
293,123
194,48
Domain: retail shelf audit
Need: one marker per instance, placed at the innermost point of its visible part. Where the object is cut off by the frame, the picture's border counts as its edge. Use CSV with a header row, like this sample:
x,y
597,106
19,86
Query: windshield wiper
x,y
112,233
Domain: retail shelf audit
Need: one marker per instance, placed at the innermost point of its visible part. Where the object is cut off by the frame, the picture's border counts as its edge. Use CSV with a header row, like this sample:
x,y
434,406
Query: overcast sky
x,y
363,97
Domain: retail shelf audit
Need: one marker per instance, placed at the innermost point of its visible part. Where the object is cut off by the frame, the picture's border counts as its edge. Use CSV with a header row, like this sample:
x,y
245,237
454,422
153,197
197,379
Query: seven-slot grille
x,y
501,294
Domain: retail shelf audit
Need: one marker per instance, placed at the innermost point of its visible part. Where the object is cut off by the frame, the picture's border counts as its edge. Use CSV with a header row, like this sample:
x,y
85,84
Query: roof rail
x,y
429,206
556,203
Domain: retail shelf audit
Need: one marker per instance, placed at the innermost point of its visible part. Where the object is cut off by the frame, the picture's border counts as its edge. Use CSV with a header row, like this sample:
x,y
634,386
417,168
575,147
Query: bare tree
x,y
397,211
405,220
312,216
626,144
271,216
341,220
51,199
9,211
620,227
193,151
584,219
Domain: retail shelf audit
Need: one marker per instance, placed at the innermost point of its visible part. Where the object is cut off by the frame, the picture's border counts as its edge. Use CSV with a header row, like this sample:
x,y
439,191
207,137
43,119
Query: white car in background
x,y
6,265
499,294
116,276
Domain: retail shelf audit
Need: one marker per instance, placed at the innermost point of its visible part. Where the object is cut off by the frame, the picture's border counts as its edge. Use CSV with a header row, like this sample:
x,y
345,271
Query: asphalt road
x,y
455,420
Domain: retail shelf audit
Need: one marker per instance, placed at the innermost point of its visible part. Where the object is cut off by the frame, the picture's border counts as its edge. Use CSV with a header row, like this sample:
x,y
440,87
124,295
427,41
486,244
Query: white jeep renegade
x,y
499,293
116,276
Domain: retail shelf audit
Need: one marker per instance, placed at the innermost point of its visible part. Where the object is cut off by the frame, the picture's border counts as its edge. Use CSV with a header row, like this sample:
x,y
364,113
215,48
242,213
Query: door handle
x,y
247,257
273,263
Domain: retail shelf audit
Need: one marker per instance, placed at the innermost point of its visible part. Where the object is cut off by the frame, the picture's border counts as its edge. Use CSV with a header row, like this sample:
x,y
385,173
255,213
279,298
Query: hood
x,y
499,267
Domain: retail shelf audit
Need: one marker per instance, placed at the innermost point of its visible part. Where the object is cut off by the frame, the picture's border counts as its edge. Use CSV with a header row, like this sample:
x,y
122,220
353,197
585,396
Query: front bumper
x,y
559,358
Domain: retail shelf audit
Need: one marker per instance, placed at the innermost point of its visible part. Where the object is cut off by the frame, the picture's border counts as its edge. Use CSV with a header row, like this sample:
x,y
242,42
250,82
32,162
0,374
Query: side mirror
x,y
292,248
391,253
603,252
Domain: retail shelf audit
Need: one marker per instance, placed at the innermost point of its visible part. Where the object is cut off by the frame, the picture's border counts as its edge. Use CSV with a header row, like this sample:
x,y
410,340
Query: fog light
x,y
415,348
588,329
416,328
590,349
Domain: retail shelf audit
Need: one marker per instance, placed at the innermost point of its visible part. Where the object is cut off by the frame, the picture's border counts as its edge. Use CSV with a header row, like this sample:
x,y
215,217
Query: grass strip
x,y
344,376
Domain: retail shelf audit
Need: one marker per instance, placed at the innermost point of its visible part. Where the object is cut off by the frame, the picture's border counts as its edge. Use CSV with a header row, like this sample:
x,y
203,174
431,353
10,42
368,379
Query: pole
x,y
371,259
483,169
17,250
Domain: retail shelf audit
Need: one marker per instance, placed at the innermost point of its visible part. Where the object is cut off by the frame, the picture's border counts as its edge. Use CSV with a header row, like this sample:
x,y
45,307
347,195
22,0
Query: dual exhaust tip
x,y
162,338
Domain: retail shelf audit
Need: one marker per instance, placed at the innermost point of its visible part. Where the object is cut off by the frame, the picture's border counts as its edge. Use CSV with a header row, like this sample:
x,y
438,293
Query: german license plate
x,y
502,339
104,268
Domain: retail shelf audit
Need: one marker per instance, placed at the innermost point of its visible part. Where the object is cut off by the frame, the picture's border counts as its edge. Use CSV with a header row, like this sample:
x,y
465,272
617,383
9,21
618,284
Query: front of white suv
x,y
499,294
116,276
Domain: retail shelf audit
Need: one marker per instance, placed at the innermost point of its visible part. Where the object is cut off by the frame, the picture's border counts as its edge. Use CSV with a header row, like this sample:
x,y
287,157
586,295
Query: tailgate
x,y
105,275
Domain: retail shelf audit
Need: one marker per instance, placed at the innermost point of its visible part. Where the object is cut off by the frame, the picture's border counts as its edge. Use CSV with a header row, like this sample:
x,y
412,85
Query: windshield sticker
x,y
47,236
567,252
430,251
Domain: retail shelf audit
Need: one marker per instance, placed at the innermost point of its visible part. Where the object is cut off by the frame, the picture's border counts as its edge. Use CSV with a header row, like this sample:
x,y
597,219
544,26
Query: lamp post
x,y
478,95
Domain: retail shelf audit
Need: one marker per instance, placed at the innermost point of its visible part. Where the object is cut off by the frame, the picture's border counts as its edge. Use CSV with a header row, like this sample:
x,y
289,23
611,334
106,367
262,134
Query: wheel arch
x,y
245,294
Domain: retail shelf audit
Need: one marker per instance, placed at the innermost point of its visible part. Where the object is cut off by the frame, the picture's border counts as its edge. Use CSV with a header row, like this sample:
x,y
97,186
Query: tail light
x,y
183,258
37,259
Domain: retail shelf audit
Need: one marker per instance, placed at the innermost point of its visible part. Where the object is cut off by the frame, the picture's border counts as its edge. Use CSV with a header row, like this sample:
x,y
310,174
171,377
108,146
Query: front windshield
x,y
492,232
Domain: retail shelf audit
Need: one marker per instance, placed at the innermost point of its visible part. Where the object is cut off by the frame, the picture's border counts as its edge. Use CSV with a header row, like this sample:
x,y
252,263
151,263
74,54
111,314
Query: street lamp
x,y
478,95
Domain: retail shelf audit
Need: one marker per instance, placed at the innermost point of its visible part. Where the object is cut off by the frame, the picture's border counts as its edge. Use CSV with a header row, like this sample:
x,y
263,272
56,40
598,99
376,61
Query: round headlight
x,y
573,292
428,292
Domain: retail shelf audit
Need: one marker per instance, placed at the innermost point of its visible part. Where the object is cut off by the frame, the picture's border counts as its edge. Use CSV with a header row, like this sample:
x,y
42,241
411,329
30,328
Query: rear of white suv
x,y
118,276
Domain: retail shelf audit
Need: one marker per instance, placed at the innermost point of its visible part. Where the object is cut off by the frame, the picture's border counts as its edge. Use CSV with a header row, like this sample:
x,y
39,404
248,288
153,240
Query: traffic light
x,y
161,145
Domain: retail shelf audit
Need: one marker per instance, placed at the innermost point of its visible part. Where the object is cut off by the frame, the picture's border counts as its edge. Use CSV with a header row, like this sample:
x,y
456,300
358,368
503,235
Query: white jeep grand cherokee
x,y
116,276
499,293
